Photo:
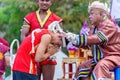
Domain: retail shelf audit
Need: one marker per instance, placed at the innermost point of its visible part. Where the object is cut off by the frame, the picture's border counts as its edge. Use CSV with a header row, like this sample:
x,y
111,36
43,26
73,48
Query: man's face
x,y
44,4
95,17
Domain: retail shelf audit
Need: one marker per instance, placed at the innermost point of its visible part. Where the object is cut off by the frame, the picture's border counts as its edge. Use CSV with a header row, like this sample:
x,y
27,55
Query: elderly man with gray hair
x,y
105,42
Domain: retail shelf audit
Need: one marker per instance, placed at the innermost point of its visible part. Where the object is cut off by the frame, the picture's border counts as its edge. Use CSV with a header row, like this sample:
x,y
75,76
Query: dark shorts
x,y
17,75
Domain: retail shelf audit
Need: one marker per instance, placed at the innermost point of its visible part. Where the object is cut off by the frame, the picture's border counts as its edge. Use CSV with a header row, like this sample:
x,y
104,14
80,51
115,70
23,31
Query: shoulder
x,y
108,23
55,16
29,17
31,14
46,38
108,27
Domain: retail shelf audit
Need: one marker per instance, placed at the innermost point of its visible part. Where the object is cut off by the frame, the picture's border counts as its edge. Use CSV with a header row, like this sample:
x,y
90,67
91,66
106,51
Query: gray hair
x,y
98,5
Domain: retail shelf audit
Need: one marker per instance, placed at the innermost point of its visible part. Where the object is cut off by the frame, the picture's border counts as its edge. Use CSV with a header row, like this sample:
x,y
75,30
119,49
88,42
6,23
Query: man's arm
x,y
7,59
25,30
43,51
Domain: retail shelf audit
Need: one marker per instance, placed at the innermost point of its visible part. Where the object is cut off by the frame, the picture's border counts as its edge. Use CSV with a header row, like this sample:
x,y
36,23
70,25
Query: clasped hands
x,y
71,37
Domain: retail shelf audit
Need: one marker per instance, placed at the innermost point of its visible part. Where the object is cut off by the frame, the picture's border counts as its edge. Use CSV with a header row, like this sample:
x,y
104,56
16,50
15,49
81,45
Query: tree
x,y
11,16
73,12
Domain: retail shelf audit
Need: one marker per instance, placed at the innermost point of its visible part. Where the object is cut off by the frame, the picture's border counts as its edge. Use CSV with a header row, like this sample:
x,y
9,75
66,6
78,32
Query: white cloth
x,y
72,38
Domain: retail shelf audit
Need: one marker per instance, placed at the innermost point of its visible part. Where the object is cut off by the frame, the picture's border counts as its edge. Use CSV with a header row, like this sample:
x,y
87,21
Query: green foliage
x,y
11,16
12,12
73,12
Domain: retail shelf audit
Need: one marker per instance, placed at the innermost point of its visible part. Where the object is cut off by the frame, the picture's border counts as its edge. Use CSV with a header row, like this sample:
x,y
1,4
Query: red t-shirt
x,y
24,61
33,19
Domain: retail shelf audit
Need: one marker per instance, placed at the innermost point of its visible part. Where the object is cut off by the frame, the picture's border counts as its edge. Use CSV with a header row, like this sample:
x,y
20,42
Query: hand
x,y
72,38
52,49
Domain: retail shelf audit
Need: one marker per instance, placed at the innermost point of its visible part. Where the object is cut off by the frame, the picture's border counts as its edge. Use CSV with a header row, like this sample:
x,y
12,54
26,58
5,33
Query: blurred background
x,y
73,12
12,12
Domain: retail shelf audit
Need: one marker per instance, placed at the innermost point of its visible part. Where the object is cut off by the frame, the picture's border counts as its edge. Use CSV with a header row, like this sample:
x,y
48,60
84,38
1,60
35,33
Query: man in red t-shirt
x,y
41,19
34,49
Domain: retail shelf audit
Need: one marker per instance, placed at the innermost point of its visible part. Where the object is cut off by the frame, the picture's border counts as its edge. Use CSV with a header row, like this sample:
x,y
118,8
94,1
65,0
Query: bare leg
x,y
48,72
